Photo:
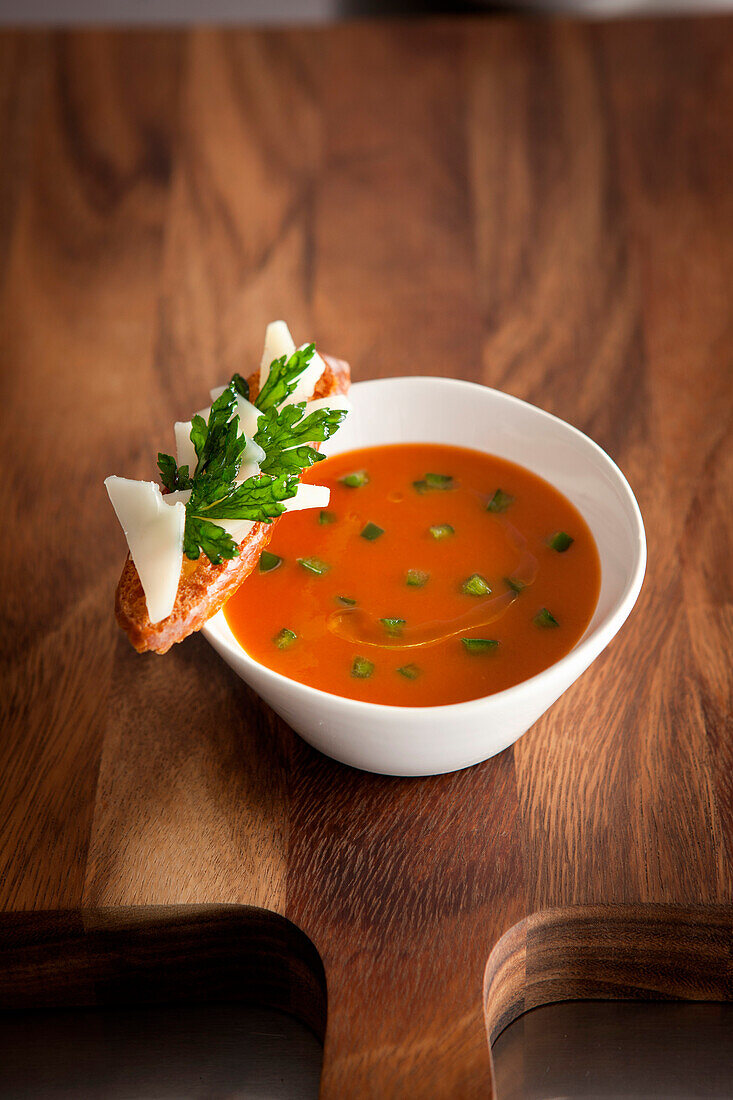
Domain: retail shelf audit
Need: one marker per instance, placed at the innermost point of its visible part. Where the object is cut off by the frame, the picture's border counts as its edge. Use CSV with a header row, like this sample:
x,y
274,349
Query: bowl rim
x,y
587,647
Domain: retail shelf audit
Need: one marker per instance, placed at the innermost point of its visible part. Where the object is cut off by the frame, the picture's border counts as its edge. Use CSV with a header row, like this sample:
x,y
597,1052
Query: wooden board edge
x,y
160,954
609,952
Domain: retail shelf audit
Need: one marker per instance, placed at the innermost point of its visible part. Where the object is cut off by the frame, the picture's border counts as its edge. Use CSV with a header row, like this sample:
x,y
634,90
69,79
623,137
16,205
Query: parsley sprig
x,y
259,498
215,493
283,378
284,435
173,476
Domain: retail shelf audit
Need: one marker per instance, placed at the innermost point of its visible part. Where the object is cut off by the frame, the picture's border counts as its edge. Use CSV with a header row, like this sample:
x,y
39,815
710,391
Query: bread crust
x,y
204,588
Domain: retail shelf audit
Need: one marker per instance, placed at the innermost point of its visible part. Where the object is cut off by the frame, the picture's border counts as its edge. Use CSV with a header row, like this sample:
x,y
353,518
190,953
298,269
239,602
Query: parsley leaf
x,y
215,542
174,477
198,434
215,492
259,498
284,436
241,385
283,377
218,444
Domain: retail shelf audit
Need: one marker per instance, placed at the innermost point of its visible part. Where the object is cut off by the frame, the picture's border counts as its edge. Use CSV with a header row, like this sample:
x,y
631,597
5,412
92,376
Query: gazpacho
x,y
436,575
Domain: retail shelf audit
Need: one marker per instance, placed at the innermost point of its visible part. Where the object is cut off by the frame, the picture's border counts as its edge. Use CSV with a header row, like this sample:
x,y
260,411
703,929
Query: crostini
x,y
194,541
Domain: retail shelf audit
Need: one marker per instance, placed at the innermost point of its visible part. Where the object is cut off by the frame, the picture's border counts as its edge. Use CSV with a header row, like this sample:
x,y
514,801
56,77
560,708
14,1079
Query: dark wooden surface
x,y
543,207
160,954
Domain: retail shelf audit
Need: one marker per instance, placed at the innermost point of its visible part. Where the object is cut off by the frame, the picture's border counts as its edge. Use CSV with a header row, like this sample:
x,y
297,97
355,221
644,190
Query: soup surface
x,y
437,574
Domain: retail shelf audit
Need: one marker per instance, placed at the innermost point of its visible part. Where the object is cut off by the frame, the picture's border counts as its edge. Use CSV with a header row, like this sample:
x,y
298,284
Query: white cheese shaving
x,y
154,531
249,414
278,342
185,451
253,452
237,528
338,401
308,496
246,471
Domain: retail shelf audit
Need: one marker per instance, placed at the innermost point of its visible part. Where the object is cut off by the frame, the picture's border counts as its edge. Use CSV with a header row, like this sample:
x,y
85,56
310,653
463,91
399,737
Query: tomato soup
x,y
437,574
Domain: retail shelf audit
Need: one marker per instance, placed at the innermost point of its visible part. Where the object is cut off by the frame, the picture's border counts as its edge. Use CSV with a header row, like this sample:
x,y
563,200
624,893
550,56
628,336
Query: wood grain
x,y
591,953
542,206
160,954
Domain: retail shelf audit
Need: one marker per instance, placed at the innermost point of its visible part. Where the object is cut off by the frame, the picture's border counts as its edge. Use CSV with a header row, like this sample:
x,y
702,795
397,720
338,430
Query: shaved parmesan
x,y
253,452
249,414
237,528
185,451
338,401
154,531
246,471
278,342
308,496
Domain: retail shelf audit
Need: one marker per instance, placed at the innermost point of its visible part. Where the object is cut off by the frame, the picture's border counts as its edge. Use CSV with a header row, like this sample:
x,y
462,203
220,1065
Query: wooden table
x,y
545,207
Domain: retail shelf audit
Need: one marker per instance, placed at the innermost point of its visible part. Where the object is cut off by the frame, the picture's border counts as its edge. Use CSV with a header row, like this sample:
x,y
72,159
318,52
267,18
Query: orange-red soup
x,y
446,639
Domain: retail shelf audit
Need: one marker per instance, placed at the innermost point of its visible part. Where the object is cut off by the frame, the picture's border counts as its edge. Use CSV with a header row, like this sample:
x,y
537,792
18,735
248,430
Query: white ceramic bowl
x,y
430,740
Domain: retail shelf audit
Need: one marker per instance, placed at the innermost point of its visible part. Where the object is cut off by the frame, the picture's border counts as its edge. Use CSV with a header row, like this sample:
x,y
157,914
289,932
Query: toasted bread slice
x,y
204,588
